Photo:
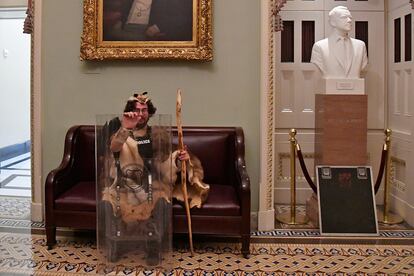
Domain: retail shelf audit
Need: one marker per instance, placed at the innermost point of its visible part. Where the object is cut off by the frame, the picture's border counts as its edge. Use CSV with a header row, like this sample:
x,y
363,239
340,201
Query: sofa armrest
x,y
241,172
243,183
60,180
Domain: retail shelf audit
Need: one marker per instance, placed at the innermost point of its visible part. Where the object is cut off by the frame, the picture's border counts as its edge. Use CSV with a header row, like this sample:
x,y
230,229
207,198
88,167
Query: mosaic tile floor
x,y
301,209
15,207
15,176
15,214
23,254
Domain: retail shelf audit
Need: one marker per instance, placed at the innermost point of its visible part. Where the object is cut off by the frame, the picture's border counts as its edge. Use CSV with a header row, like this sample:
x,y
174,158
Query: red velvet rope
x,y
381,169
305,171
312,185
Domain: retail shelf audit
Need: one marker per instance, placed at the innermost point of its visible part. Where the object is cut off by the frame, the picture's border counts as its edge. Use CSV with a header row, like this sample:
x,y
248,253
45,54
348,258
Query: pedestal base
x,y
312,209
286,218
390,219
342,86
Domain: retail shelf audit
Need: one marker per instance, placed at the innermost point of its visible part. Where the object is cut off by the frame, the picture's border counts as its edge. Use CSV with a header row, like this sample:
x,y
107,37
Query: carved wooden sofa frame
x,y
70,191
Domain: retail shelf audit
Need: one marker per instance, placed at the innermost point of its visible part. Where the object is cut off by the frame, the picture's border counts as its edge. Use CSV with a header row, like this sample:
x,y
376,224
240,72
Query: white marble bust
x,y
339,56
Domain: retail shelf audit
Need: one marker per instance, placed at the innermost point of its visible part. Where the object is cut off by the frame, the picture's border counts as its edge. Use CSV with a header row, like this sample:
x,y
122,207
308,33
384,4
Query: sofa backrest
x,y
84,144
214,146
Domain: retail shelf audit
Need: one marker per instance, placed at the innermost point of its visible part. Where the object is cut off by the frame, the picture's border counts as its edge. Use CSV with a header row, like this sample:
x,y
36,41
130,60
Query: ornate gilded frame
x,y
93,47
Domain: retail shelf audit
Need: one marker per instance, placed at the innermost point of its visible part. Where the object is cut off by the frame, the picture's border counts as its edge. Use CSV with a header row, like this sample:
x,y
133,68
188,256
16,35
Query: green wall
x,y
224,92
13,3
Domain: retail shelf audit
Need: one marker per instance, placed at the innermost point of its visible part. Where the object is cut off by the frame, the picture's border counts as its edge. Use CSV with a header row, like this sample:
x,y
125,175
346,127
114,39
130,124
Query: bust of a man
x,y
339,56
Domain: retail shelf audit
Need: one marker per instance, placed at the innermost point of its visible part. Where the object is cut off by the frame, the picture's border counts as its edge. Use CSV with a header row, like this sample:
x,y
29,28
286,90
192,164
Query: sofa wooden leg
x,y
245,250
50,237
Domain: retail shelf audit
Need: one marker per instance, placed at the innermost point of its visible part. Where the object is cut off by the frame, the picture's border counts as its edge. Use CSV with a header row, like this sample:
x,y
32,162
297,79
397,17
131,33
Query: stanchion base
x,y
286,218
391,218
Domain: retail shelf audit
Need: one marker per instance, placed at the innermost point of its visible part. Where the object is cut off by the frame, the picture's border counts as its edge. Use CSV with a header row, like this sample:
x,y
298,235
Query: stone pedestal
x,y
341,130
312,210
340,135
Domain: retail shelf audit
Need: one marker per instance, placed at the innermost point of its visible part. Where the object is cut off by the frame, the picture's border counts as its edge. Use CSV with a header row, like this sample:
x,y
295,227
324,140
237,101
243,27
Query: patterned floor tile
x,y
15,207
15,176
27,254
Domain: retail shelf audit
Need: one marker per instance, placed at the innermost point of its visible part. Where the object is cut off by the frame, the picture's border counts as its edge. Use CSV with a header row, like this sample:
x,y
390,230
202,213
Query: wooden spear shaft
x,y
184,170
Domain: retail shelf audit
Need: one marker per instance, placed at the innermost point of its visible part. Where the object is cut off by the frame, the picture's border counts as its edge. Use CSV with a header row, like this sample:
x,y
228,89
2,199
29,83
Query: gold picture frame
x,y
115,30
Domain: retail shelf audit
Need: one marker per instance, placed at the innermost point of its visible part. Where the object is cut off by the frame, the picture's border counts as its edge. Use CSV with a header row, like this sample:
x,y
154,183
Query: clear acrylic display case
x,y
134,203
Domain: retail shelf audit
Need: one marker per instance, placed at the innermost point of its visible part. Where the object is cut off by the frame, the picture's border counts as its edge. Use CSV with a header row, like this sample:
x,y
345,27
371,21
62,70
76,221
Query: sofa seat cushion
x,y
81,197
221,201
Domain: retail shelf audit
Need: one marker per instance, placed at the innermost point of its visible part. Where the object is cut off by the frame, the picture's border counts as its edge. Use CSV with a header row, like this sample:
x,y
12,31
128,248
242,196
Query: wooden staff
x,y
183,170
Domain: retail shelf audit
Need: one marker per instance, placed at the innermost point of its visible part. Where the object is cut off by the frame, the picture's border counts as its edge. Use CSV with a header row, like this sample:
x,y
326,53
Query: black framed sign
x,y
346,201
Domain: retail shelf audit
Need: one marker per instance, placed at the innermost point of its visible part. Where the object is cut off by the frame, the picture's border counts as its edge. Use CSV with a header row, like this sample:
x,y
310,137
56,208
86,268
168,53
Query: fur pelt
x,y
133,204
129,211
197,190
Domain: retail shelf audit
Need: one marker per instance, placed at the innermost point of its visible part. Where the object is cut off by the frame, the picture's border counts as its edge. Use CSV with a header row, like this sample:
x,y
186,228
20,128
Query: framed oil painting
x,y
147,29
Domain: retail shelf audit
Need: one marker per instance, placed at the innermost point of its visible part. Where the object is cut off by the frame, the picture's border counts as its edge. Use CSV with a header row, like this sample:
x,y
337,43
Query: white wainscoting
x,y
400,114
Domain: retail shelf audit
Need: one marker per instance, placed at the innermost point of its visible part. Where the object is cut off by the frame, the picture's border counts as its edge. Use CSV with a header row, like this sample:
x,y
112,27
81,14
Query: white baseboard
x,y
403,209
266,220
253,221
282,195
37,212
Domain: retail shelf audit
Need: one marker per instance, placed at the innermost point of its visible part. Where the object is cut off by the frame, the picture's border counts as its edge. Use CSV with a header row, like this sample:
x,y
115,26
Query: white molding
x,y
283,194
37,212
13,13
403,209
253,221
36,118
266,218
396,4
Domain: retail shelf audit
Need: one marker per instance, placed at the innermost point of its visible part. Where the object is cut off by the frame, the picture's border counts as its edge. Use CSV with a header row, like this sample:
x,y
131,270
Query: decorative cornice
x,y
269,111
32,100
275,24
28,21
278,22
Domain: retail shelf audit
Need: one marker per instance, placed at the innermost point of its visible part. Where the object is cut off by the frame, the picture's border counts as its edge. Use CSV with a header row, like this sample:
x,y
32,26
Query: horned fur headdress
x,y
141,98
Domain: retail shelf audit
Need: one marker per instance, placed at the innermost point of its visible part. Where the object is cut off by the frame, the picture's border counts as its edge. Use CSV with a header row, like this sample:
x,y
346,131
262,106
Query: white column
x,y
37,184
266,216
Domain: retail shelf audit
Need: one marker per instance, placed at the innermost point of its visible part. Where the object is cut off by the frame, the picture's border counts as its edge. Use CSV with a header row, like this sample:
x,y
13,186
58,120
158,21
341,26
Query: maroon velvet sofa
x,y
70,189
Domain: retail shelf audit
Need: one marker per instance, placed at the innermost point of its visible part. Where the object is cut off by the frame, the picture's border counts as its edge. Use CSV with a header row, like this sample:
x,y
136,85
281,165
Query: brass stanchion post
x,y
385,216
292,141
292,218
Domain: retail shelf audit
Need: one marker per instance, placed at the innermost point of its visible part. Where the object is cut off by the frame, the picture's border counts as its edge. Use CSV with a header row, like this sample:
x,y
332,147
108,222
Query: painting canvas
x,y
148,20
